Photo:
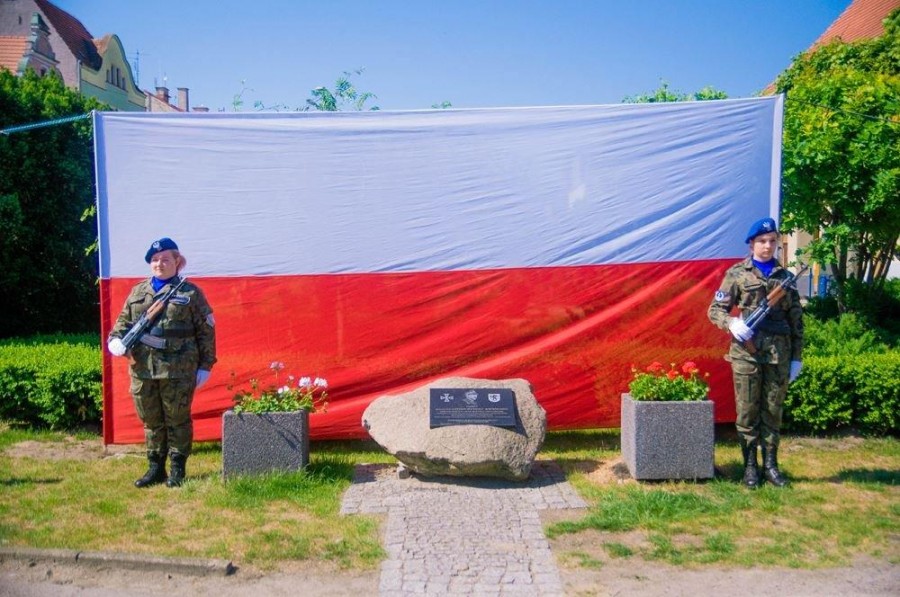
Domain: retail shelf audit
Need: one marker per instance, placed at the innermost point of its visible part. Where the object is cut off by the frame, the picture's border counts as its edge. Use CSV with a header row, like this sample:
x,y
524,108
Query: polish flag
x,y
383,250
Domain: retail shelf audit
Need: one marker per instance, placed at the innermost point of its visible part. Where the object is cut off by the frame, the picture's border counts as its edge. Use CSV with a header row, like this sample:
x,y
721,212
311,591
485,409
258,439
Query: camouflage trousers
x,y
759,391
164,407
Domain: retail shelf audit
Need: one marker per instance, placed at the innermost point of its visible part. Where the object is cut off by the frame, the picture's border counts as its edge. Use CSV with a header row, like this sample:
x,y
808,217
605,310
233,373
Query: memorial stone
x,y
401,424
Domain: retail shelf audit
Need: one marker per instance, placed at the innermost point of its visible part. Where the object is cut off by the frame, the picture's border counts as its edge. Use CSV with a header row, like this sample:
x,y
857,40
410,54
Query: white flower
x,y
276,365
283,389
320,382
304,382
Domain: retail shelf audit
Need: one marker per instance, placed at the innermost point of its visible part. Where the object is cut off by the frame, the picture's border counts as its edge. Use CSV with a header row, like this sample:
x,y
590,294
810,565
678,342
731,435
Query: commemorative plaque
x,y
472,406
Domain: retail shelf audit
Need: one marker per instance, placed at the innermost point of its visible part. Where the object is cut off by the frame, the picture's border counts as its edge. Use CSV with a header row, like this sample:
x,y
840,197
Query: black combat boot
x,y
770,466
178,470
156,472
751,467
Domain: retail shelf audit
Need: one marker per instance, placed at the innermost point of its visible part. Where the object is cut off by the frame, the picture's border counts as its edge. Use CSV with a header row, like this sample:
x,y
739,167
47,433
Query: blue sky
x,y
472,53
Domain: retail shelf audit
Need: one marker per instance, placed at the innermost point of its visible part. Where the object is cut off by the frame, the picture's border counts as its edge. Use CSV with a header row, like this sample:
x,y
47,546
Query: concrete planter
x,y
668,440
259,443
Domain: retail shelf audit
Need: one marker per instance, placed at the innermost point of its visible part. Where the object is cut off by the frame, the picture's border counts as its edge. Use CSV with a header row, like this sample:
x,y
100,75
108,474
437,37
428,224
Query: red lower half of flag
x,y
574,333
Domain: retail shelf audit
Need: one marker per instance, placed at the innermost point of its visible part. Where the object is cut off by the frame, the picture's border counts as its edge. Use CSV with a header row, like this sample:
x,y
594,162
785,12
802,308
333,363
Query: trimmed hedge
x,y
51,381
55,381
839,391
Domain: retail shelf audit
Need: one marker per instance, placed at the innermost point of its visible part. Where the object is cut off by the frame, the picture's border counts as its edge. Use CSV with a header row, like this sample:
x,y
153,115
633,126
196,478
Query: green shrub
x,y
92,340
849,334
879,307
52,381
841,391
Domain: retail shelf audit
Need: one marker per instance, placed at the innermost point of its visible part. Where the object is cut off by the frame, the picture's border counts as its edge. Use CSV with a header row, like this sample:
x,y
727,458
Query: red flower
x,y
677,382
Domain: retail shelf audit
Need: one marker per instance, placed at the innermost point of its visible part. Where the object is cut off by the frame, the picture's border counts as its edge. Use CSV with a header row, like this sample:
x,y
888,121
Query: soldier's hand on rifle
x,y
796,366
739,329
116,347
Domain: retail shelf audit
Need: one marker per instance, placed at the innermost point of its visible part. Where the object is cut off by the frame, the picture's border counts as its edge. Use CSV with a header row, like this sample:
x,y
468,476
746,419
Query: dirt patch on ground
x,y
634,576
605,472
70,449
43,579
629,576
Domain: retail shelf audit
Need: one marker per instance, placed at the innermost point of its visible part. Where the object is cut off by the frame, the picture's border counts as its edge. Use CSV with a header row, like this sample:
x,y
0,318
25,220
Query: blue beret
x,y
763,226
163,244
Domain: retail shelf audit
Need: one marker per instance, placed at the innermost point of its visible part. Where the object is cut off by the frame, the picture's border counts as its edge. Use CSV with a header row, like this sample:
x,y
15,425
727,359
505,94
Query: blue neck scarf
x,y
158,284
765,267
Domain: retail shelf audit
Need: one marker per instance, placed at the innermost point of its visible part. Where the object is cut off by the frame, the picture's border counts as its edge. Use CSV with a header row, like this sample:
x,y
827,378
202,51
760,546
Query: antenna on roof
x,y
136,65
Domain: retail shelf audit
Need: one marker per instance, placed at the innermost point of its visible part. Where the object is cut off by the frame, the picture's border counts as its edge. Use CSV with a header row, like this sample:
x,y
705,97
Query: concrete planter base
x,y
668,440
260,443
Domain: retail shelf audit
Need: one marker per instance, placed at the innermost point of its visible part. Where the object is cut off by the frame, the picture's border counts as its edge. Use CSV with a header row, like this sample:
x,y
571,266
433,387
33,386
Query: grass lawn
x,y
842,503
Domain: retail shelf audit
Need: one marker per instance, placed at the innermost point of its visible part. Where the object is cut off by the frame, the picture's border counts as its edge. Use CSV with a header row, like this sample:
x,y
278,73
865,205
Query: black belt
x,y
163,333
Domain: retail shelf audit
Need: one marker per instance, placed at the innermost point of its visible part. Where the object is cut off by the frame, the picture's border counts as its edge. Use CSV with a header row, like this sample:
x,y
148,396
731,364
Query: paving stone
x,y
463,535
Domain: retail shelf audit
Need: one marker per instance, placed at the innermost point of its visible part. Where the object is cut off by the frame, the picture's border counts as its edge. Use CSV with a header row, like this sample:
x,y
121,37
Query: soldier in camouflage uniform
x,y
765,360
172,359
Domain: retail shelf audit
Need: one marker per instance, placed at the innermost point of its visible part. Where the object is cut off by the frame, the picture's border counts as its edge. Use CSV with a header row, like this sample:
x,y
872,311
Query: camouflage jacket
x,y
186,325
780,336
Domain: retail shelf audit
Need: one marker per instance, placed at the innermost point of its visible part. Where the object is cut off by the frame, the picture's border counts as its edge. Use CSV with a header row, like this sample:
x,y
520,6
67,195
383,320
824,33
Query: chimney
x,y
183,99
162,93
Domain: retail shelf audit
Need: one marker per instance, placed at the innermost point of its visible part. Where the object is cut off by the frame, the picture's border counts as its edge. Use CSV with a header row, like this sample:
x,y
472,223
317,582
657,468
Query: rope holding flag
x,y
37,125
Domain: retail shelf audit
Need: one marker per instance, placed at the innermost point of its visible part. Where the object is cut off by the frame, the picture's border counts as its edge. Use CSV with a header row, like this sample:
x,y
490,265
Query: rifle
x,y
148,317
764,307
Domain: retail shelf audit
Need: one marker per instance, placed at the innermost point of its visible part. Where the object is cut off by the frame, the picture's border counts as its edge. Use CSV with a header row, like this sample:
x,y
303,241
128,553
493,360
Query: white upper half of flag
x,y
363,192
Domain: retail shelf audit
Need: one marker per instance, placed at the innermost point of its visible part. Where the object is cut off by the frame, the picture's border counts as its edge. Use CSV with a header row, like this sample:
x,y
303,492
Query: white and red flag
x,y
381,250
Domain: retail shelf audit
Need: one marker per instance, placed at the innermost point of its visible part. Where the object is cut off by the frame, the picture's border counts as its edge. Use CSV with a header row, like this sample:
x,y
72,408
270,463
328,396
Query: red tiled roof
x,y
73,33
861,20
12,48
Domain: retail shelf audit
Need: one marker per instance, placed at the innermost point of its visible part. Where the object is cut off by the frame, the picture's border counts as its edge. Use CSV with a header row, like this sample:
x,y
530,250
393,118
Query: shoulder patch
x,y
721,295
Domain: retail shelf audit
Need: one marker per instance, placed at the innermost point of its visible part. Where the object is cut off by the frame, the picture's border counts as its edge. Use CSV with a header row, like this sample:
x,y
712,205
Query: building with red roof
x,y
863,19
37,34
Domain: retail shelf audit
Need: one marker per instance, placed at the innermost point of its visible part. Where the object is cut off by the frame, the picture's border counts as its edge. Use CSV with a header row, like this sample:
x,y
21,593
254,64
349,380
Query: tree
x,y
841,156
664,94
48,277
344,95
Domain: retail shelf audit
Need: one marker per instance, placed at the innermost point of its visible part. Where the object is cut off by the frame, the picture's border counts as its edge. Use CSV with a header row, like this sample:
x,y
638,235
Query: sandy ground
x,y
629,576
626,577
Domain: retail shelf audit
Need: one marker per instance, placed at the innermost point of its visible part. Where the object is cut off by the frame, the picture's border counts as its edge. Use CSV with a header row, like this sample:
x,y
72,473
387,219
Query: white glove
x,y
796,366
739,329
202,376
116,348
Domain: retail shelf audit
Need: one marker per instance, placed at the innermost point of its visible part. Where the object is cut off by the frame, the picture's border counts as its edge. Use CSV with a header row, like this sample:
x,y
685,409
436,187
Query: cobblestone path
x,y
463,536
